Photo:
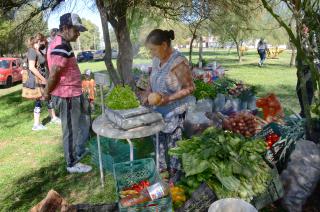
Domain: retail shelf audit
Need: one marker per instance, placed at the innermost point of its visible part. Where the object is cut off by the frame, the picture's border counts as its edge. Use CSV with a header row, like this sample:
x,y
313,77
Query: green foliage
x,y
90,40
15,32
234,27
136,71
144,53
231,165
122,98
204,90
222,85
135,22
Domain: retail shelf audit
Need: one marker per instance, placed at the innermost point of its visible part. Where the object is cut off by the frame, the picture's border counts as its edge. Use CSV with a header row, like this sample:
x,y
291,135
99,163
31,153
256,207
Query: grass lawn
x,y
31,163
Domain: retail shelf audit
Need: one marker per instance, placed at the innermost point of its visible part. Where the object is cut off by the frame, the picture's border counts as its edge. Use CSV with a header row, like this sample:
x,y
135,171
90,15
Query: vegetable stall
x,y
238,153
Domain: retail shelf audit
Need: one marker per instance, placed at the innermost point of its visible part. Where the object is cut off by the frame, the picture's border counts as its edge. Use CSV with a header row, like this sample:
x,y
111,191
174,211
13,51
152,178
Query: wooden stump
x,y
52,203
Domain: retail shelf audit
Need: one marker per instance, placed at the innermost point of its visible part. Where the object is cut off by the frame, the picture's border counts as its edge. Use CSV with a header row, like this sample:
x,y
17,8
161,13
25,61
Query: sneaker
x,y
79,168
55,120
38,127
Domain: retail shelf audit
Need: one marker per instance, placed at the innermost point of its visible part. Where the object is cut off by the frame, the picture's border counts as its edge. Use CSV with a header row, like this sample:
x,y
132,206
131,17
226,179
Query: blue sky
x,y
84,8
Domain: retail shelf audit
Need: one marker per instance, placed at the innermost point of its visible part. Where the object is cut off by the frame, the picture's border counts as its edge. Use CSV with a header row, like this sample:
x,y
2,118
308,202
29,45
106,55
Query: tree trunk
x,y
125,55
106,37
238,51
200,49
304,93
293,55
190,49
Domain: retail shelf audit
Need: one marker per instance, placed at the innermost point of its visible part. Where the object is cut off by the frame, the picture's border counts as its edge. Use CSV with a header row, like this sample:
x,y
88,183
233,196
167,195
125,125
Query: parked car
x,y
99,54
10,71
84,56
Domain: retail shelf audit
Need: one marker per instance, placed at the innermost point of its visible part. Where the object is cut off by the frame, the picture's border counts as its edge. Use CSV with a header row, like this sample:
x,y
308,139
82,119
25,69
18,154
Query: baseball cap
x,y
72,19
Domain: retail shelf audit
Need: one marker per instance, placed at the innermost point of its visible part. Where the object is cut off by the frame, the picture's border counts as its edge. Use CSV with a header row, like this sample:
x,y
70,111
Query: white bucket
x,y
231,205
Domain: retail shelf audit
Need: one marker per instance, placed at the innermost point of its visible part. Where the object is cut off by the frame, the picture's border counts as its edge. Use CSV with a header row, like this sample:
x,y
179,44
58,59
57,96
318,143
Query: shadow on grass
x,y
32,188
6,87
23,110
15,110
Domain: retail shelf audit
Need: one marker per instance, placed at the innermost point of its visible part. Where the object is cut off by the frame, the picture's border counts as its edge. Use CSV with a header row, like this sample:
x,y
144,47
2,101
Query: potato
x,y
154,98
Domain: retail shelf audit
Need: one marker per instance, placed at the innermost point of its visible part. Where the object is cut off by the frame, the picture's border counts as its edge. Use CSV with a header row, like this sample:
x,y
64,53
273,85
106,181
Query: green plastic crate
x,y
128,173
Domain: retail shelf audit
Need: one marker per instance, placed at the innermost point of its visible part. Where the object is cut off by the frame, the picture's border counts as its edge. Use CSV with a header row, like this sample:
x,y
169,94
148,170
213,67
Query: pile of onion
x,y
243,123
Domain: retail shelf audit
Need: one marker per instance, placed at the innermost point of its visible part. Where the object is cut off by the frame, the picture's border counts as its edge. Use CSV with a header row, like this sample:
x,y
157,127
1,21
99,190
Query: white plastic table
x,y
102,126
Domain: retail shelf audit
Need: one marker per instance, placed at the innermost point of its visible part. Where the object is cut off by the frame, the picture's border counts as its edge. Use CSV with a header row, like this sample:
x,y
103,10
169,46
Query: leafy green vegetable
x,y
222,85
122,98
204,90
194,165
231,165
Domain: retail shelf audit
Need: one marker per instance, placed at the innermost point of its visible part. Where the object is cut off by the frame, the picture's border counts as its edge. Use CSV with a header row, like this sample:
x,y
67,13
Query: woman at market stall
x,y
170,88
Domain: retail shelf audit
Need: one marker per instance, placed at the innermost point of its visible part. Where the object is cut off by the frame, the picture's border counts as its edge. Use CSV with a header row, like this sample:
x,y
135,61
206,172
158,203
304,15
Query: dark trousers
x,y
75,121
262,55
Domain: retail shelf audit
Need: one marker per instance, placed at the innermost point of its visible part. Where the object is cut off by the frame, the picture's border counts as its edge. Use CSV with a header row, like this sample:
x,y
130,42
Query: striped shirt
x,y
60,53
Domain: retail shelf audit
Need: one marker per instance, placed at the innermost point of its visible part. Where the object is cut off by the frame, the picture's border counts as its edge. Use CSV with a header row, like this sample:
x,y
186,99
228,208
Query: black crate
x,y
200,200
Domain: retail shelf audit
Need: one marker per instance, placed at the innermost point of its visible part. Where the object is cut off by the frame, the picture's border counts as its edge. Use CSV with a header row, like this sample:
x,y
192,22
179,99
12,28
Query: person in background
x,y
171,78
89,88
53,33
262,51
36,60
64,85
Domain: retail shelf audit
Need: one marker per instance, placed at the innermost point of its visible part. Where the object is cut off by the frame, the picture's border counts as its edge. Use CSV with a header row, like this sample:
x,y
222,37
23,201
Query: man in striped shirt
x,y
64,87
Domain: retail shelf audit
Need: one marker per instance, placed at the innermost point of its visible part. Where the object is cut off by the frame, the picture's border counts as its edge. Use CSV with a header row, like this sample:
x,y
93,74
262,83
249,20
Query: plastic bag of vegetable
x,y
231,106
248,102
196,122
219,102
204,105
301,176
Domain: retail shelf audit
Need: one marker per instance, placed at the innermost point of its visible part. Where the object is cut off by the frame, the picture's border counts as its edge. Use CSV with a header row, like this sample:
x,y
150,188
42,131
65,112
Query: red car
x,y
10,71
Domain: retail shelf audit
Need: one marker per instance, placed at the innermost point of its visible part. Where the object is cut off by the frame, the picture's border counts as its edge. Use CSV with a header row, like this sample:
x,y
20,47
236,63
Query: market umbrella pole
x,y
157,151
102,102
131,149
100,161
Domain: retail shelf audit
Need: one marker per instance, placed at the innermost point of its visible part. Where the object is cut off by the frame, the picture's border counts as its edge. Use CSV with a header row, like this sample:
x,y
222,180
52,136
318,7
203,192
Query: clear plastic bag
x,y
196,123
204,105
219,102
301,176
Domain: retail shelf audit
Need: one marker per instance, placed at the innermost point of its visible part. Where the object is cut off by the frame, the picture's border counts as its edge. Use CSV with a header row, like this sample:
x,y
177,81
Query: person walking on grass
x,y
262,51
64,85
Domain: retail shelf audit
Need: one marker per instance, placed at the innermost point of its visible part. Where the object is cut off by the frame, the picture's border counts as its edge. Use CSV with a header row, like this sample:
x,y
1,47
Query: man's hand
x,y
43,82
46,94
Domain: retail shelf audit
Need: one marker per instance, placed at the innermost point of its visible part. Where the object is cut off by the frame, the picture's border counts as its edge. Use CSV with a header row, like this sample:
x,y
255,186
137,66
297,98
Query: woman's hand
x,y
164,100
145,101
